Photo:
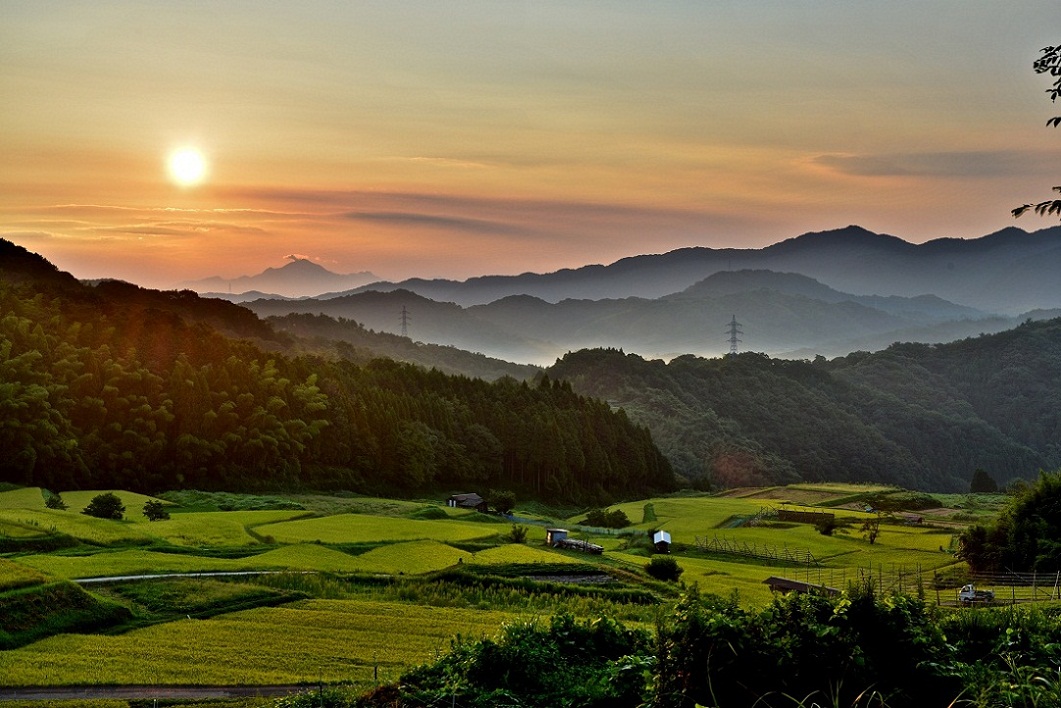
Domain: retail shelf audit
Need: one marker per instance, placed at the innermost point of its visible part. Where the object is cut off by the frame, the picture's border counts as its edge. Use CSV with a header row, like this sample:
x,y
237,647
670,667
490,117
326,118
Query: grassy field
x,y
134,503
381,603
15,575
299,643
24,498
79,526
354,528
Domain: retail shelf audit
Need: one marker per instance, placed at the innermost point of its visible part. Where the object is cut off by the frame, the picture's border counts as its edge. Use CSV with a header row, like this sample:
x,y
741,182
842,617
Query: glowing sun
x,y
187,167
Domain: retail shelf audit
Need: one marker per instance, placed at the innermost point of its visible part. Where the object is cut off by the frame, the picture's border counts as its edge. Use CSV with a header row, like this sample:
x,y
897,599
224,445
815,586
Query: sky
x,y
455,139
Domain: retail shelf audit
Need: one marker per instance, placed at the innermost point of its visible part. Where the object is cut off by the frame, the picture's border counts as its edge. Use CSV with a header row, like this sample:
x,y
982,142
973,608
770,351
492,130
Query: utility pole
x,y
733,330
404,319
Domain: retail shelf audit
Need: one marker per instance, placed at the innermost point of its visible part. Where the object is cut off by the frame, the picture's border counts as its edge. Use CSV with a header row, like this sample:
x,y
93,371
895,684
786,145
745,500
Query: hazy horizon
x,y
451,141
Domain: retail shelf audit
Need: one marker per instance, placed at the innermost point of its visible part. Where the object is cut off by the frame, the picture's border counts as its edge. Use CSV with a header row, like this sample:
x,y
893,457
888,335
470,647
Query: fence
x,y
1008,588
753,550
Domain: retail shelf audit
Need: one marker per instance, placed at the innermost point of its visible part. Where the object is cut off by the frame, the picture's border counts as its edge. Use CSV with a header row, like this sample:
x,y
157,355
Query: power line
x,y
733,330
404,321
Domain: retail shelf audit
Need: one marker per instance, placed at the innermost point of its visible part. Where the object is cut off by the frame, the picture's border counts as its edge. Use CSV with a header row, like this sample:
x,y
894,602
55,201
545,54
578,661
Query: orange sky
x,y
457,139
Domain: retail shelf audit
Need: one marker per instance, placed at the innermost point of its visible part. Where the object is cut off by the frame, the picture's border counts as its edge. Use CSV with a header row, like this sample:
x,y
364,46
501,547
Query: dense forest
x,y
115,386
920,416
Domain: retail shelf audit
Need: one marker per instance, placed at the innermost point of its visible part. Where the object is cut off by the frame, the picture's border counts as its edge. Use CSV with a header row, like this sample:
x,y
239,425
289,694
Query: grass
x,y
413,557
29,613
357,528
134,503
140,562
77,525
15,575
520,553
329,640
23,498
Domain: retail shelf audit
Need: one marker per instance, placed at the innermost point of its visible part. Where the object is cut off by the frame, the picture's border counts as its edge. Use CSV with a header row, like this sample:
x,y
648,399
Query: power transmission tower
x,y
733,330
405,321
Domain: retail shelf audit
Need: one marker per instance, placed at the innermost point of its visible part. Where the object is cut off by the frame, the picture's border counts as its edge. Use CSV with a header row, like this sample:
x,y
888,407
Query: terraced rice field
x,y
14,575
24,498
141,562
85,528
361,528
329,640
134,503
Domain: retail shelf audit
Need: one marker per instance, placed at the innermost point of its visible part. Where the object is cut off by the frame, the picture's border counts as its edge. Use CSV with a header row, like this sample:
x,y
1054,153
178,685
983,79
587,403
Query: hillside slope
x,y
920,416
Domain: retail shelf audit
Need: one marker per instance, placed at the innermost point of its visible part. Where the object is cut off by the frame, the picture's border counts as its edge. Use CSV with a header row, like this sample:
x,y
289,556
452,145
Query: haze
x,y
451,140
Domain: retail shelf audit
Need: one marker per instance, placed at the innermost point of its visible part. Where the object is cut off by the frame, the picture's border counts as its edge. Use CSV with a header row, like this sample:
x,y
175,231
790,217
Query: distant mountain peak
x,y
299,277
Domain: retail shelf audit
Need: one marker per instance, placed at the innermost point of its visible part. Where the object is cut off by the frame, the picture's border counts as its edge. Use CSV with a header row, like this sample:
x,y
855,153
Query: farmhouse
x,y
787,585
661,541
468,501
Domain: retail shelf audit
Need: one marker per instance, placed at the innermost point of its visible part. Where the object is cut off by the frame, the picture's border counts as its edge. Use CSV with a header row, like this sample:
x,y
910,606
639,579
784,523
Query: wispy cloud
x,y
974,164
441,222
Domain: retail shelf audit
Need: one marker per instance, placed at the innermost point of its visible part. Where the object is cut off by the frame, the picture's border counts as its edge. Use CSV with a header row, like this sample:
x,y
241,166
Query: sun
x,y
187,167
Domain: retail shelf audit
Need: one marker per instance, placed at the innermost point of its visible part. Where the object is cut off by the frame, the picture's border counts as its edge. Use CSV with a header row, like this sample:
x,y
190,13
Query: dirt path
x,y
57,693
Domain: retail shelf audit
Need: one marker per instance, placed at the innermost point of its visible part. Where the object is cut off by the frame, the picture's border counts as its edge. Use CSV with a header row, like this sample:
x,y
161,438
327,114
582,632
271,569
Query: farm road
x,y
57,693
159,576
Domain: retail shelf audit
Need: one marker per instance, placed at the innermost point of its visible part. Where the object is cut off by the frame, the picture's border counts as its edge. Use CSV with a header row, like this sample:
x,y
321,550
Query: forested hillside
x,y
351,340
920,416
116,386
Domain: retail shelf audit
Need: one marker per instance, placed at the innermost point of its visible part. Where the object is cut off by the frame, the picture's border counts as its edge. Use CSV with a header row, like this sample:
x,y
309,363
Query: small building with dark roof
x,y
468,501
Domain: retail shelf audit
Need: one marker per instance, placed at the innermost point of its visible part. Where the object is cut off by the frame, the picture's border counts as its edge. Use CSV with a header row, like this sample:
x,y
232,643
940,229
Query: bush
x,y
106,506
518,534
664,568
54,501
616,519
155,511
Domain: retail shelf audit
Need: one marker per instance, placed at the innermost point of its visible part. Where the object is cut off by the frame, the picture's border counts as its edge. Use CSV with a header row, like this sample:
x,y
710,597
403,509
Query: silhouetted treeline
x,y
919,416
117,386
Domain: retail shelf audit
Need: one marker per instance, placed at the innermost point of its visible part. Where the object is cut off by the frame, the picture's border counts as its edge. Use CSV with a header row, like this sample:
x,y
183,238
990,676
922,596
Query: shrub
x,y
54,501
616,519
155,511
503,502
106,506
518,534
664,568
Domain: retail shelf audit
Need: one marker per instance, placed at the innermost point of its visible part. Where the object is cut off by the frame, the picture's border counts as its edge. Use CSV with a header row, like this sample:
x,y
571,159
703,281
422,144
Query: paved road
x,y
59,693
157,576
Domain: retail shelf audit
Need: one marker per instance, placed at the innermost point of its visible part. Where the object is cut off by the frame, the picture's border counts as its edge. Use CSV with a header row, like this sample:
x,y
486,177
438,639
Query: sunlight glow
x,y
187,167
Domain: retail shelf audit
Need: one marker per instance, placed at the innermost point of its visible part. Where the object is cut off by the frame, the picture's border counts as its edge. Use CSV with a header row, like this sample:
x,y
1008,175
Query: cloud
x,y
466,224
975,164
15,236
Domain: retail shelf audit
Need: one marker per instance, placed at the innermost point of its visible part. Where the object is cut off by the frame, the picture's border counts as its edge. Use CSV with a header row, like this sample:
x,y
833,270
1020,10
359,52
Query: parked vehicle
x,y
969,594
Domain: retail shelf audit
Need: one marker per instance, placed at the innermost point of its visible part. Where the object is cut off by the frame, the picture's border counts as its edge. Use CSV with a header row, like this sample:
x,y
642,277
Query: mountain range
x,y
782,314
1007,272
299,278
828,293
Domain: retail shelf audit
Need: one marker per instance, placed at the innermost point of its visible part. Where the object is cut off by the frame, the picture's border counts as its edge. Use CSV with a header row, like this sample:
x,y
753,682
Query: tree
x,y
503,502
1025,537
871,528
54,501
106,506
982,482
1048,63
155,511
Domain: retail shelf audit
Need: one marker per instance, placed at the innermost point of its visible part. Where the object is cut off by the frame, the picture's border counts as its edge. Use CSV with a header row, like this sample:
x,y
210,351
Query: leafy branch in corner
x,y
1048,63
